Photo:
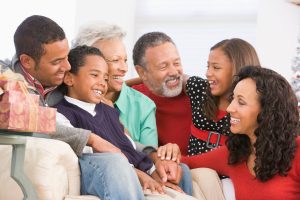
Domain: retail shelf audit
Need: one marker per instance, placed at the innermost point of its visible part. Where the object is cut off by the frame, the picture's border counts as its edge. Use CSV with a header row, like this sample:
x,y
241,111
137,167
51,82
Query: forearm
x,y
77,138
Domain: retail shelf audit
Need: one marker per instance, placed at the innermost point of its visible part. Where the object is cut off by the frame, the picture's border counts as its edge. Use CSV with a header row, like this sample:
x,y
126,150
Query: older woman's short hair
x,y
90,33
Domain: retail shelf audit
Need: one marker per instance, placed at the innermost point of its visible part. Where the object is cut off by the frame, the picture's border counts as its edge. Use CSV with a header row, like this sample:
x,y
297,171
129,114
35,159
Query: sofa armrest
x,y
51,166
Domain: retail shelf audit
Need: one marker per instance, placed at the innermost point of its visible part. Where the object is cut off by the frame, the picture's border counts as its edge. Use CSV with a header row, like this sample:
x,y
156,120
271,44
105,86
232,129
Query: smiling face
x,y
90,82
116,58
219,73
244,108
52,66
163,71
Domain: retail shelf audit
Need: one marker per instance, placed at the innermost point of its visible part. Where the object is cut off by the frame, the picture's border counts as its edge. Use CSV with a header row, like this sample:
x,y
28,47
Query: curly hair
x,y
278,125
241,54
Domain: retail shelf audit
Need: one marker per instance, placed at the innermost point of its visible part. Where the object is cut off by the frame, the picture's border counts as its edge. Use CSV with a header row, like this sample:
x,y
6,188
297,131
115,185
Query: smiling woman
x,y
264,150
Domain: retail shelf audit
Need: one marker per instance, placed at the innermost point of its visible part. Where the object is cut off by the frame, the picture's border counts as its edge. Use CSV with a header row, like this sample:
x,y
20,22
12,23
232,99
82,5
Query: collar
x,y
120,103
34,82
88,107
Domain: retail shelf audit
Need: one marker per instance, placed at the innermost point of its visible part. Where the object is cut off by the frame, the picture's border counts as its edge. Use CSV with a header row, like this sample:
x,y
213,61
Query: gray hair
x,y
91,33
146,41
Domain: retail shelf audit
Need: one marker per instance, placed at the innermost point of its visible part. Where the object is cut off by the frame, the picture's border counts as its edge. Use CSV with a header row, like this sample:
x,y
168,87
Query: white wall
x,y
13,12
119,12
278,25
69,15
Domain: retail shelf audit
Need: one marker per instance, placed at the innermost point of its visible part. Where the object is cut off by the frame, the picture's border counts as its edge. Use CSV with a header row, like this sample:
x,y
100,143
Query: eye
x,y
56,62
241,102
177,64
94,75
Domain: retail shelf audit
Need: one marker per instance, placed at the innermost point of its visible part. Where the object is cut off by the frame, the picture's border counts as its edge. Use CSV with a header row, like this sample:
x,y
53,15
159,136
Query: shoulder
x,y
137,96
141,87
195,80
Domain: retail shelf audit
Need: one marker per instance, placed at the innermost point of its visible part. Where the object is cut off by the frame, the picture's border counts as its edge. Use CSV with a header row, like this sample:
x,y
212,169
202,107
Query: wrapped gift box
x,y
12,85
19,115
21,112
46,120
19,97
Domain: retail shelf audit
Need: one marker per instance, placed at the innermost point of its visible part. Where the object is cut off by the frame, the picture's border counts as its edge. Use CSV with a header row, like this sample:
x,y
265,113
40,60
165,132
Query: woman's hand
x,y
169,151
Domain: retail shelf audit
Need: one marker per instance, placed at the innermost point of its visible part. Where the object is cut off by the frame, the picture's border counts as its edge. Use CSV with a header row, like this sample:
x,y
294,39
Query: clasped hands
x,y
168,173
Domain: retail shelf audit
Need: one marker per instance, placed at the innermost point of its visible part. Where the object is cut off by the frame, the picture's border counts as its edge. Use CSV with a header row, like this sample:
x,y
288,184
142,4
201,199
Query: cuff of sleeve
x,y
151,170
149,149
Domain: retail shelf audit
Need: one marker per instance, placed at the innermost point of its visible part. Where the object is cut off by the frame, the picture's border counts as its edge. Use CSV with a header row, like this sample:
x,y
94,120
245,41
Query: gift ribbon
x,y
33,108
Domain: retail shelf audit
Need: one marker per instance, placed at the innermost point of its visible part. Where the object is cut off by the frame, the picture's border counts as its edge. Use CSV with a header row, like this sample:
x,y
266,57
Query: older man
x,y
158,64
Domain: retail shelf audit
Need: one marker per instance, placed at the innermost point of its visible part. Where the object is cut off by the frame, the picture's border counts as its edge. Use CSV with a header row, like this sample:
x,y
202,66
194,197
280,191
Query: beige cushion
x,y
51,165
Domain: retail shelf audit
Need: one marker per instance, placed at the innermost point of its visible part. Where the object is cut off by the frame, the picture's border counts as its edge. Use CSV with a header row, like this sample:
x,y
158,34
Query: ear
x,y
68,79
141,72
27,61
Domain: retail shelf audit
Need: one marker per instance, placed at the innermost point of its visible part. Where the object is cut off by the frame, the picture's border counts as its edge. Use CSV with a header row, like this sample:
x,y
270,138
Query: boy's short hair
x,y
77,56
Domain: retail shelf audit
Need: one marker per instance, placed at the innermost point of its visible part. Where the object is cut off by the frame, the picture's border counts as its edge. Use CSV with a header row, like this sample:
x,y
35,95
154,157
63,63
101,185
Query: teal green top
x,y
137,114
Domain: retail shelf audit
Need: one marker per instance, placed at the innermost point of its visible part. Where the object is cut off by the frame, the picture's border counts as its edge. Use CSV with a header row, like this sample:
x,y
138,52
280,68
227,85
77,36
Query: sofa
x,y
53,169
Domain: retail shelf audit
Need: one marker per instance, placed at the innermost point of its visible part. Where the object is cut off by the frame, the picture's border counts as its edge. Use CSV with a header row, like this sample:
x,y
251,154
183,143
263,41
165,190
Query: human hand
x,y
168,171
169,184
169,151
100,145
148,183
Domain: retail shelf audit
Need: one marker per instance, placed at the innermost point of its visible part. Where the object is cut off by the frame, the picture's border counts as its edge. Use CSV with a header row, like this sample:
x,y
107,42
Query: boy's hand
x,y
148,183
174,186
169,152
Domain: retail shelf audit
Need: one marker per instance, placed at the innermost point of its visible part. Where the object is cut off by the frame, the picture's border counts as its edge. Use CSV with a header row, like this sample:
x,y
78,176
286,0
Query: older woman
x,y
262,157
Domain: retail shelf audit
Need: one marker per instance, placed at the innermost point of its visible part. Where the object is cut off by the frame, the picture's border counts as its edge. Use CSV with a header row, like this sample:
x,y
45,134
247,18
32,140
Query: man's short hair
x,y
33,33
146,41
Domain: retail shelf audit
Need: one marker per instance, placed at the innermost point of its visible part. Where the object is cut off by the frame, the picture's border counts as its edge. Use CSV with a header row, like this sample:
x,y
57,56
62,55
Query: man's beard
x,y
166,92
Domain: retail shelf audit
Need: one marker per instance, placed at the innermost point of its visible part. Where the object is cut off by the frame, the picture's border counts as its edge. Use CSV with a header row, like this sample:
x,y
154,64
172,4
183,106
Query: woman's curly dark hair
x,y
278,125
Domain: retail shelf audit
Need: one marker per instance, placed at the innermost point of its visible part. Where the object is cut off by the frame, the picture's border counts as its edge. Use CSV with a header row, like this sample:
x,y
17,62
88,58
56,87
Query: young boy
x,y
86,84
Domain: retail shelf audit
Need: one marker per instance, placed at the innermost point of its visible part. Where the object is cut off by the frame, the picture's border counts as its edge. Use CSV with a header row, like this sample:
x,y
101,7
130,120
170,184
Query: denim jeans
x,y
186,181
109,176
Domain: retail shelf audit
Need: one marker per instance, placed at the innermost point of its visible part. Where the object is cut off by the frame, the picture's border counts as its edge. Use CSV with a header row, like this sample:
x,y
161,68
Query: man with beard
x,y
158,64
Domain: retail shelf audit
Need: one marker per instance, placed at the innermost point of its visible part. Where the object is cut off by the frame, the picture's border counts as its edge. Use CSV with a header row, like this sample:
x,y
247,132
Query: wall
x,y
278,25
69,15
119,12
16,11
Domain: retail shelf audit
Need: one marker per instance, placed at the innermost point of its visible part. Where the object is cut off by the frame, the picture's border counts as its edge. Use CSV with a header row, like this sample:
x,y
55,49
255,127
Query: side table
x,y
18,142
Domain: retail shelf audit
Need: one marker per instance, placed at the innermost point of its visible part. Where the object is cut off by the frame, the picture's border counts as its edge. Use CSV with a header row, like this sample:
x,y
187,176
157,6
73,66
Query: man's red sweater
x,y
173,118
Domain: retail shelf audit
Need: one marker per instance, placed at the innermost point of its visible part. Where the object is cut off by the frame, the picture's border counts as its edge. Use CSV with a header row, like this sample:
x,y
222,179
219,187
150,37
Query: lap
x,y
170,194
